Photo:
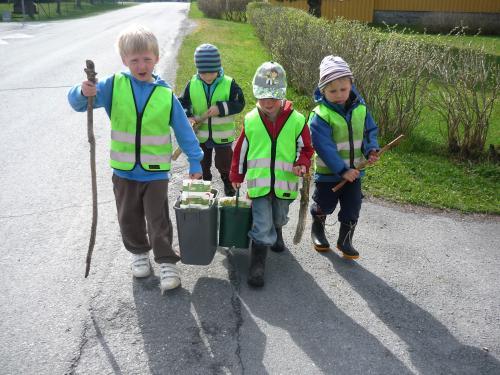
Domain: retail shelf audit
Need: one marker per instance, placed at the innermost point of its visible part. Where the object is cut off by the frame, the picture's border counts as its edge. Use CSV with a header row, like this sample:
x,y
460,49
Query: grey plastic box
x,y
197,233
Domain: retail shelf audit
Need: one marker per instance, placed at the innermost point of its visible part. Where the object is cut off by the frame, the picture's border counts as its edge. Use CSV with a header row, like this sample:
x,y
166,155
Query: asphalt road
x,y
424,298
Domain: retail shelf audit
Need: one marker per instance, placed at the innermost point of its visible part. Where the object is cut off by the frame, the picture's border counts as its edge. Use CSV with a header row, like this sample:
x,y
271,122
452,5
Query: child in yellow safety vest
x,y
343,133
142,109
211,99
272,151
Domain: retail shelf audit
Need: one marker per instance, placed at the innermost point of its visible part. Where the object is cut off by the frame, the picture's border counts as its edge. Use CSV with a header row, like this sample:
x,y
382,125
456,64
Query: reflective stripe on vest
x,y
220,129
270,163
340,135
151,128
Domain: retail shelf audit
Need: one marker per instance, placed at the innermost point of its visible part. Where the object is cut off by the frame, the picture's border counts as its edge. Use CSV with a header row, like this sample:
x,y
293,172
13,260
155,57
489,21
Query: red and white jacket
x,y
304,147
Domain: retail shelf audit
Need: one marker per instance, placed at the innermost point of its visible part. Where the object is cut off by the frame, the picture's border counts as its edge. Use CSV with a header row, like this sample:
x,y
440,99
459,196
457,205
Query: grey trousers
x,y
144,218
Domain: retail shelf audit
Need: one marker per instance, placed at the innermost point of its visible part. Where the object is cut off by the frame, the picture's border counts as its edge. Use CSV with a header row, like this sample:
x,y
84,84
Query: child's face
x,y
208,77
141,65
270,107
338,91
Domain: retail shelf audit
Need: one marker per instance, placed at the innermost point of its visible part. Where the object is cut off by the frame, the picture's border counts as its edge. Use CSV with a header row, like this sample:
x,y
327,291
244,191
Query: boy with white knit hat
x,y
272,151
343,133
212,92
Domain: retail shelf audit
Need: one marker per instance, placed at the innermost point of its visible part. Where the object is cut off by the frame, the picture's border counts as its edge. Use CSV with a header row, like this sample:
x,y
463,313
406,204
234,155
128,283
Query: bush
x,y
231,10
389,71
392,71
469,85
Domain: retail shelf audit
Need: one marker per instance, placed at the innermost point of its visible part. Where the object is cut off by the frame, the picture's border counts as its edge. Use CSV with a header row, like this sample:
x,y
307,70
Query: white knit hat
x,y
332,68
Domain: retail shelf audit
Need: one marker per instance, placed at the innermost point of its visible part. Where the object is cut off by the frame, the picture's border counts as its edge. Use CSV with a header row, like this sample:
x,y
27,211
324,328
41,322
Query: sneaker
x,y
141,267
169,277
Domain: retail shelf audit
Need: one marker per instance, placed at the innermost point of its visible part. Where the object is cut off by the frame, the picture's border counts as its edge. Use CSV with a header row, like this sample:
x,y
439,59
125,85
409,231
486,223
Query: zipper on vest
x,y
138,125
209,120
274,142
351,144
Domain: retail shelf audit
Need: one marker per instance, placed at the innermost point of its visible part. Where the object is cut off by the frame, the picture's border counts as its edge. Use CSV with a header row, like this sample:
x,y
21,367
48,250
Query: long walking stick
x,y
365,163
90,70
304,203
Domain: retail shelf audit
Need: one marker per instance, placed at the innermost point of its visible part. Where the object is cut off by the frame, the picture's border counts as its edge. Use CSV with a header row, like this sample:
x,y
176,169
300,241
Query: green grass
x,y
490,43
47,11
419,171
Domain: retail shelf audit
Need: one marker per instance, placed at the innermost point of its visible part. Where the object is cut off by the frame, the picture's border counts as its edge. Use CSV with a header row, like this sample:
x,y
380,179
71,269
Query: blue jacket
x,y
179,123
322,138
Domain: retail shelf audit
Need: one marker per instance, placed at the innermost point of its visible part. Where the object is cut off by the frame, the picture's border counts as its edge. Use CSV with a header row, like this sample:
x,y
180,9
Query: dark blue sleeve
x,y
370,142
325,147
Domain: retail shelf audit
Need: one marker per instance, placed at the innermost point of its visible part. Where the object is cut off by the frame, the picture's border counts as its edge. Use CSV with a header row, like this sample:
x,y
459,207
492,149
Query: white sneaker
x,y
169,277
141,267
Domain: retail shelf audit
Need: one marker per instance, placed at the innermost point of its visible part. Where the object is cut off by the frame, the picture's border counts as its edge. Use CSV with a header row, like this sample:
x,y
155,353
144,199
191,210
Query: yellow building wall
x,y
362,10
299,4
472,6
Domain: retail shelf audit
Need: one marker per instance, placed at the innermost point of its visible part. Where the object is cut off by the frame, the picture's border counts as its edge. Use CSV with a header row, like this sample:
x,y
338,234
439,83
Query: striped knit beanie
x,y
207,58
332,68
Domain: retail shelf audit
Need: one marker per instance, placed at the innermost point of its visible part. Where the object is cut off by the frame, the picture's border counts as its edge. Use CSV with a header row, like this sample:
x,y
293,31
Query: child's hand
x,y
373,157
88,88
236,185
213,111
195,176
299,170
192,121
351,175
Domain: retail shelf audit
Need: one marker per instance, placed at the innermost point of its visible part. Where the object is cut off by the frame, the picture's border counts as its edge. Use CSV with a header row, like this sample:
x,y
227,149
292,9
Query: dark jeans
x,y
143,217
223,156
325,200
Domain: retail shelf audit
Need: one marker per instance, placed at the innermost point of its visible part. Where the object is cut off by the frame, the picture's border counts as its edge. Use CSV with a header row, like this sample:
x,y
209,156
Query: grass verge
x,y
47,11
419,171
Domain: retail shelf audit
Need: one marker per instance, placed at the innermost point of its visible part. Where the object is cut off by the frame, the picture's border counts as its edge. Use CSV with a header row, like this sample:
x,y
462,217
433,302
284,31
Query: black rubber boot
x,y
318,236
257,265
228,188
279,246
344,243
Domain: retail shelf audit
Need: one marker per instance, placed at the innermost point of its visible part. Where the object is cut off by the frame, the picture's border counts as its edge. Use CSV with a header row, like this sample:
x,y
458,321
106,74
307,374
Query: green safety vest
x,y
340,136
270,162
140,138
220,129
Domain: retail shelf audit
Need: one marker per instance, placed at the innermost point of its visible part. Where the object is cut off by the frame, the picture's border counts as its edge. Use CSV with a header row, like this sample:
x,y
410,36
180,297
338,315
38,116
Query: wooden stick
x,y
198,120
90,70
304,203
365,163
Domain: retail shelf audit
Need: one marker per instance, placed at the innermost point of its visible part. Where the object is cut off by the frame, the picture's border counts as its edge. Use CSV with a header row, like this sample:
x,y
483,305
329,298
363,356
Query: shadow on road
x,y
293,301
221,317
433,349
180,339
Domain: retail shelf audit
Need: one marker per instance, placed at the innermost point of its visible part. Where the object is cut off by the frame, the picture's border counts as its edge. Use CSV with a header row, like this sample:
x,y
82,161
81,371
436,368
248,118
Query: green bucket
x,y
234,225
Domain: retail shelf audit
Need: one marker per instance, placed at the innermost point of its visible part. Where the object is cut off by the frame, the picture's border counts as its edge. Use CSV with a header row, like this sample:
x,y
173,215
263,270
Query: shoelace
x,y
141,260
168,270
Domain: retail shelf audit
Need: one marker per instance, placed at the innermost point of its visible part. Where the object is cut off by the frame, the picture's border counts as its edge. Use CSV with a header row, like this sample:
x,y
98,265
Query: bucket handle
x,y
237,197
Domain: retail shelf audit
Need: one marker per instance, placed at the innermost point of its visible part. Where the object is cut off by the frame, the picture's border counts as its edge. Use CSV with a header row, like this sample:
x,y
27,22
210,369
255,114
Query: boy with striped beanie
x,y
343,133
211,99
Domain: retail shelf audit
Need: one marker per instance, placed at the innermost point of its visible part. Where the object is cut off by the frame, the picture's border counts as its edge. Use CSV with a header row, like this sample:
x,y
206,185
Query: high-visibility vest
x,y
220,129
140,138
347,136
270,162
